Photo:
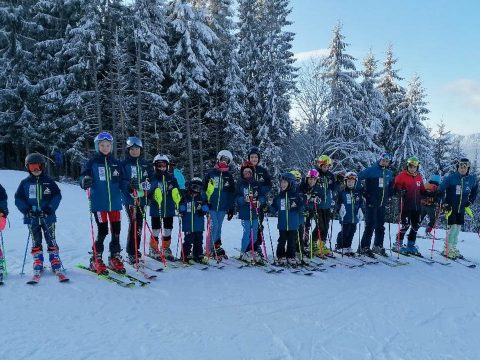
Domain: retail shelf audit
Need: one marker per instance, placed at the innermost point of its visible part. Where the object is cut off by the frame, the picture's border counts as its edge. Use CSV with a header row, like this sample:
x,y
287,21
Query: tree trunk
x,y
200,138
98,106
139,92
188,123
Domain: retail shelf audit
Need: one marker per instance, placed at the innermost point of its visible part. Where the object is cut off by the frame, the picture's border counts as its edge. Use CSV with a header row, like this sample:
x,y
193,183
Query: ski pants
x,y
374,221
135,223
259,237
323,221
429,211
216,226
345,236
410,220
196,239
250,230
289,238
102,218
48,231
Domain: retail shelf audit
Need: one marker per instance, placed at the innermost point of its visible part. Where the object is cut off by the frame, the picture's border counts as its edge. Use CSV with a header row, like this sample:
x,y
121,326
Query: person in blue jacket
x,y
289,205
37,198
193,208
378,190
137,174
103,175
249,199
220,189
458,192
349,205
166,197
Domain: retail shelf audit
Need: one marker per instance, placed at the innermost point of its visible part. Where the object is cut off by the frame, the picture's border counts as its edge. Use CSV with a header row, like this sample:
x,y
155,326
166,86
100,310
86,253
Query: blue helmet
x,y
134,141
435,179
104,135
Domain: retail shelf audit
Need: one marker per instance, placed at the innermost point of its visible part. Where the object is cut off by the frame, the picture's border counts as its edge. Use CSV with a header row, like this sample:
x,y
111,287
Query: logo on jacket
x,y
47,191
115,173
418,183
145,173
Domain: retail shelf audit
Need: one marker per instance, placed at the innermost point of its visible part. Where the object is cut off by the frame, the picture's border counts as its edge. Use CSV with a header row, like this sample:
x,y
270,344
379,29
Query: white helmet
x,y
161,157
226,154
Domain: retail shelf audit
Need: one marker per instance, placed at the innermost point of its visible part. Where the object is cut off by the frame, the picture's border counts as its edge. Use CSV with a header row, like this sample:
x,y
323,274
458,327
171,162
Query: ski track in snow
x,y
416,311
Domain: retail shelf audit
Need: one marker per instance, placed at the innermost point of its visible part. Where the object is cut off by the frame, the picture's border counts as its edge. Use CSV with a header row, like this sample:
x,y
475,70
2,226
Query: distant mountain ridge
x,y
471,145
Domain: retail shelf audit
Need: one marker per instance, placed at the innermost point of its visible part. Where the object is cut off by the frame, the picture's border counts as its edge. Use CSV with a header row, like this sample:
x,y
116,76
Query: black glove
x,y
265,208
446,208
47,210
87,182
468,203
230,214
401,192
133,184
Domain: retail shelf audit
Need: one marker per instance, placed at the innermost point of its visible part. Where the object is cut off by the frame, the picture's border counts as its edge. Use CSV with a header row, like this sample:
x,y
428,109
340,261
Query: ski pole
x,y
93,234
390,237
331,233
319,236
2,255
264,249
133,220
250,199
270,236
26,248
399,222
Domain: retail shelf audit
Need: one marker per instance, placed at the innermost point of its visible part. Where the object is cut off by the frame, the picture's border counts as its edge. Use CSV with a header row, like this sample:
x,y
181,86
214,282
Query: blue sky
x,y
438,40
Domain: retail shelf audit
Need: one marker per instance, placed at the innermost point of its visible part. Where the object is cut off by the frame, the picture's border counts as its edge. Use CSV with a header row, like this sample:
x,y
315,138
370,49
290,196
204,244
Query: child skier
x,y
193,209
137,174
460,191
349,204
37,198
288,204
409,186
165,192
3,222
249,200
301,216
220,189
103,175
429,206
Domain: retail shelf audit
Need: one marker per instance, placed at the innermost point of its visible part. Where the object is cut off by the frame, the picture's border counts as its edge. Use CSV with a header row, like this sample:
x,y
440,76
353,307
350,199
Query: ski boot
x,y
380,250
98,266
167,252
219,251
54,258
453,253
411,249
292,262
325,250
401,245
366,251
188,260
428,232
37,259
115,262
201,259
281,261
132,259
247,257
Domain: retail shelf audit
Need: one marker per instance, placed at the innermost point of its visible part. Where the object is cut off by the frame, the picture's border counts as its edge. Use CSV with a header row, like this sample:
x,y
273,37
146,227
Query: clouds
x,y
312,54
468,89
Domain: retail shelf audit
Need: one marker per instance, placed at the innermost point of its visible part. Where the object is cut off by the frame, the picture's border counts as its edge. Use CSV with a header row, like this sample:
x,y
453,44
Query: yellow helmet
x,y
323,160
297,174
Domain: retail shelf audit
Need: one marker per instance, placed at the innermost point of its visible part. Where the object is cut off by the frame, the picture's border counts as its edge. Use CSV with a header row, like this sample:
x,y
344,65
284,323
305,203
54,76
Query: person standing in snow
x,y
165,196
137,174
37,198
103,175
410,188
378,190
429,206
457,192
219,186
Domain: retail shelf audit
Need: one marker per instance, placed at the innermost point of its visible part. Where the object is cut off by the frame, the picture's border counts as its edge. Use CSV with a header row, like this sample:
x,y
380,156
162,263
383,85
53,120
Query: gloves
x,y
447,210
468,204
230,214
158,196
342,211
401,192
176,197
202,210
265,208
47,210
210,188
469,212
87,182
133,184
35,214
360,215
145,185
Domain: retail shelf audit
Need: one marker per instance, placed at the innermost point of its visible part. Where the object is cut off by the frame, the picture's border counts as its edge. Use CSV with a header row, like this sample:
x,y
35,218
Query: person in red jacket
x,y
409,186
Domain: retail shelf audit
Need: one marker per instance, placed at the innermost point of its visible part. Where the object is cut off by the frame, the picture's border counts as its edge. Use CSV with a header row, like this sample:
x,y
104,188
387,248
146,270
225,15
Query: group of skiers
x,y
316,197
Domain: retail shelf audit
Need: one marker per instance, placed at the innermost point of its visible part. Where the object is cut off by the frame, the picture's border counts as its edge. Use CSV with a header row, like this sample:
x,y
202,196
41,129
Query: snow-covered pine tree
x,y
441,150
411,137
393,93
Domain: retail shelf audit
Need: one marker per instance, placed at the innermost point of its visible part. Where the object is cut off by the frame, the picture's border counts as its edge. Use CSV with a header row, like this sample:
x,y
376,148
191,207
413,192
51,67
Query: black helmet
x,y
290,178
34,158
462,162
195,185
254,150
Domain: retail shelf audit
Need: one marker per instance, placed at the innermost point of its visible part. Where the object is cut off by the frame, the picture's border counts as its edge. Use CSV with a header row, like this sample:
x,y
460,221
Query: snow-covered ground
x,y
416,311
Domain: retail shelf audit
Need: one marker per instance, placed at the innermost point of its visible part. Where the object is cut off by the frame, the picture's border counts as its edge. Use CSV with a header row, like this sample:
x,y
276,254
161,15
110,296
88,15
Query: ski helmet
x,y
226,155
246,165
195,185
134,141
35,158
161,158
463,162
290,178
413,161
351,175
435,179
103,136
297,174
254,150
386,156
323,160
313,173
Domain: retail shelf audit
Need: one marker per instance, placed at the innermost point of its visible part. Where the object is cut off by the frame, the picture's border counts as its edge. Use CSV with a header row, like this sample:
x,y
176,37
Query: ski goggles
x,y
104,135
161,164
386,156
134,141
464,164
351,177
413,162
34,167
196,188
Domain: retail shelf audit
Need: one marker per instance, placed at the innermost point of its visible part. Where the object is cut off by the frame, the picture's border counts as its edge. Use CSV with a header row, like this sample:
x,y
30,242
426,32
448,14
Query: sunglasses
x,y
34,167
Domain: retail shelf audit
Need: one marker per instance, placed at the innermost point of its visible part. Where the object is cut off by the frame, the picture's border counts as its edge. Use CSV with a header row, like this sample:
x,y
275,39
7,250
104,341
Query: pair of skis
x,y
37,275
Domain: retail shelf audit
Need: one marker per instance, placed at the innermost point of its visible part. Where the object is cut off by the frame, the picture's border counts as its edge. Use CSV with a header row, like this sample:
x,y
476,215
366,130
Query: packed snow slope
x,y
417,311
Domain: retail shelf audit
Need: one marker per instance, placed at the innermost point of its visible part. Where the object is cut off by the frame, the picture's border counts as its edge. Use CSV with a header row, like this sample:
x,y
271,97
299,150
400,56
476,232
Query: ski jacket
x,y
353,201
413,184
3,201
313,196
192,210
38,193
107,175
166,182
223,195
326,182
378,185
429,197
247,211
261,175
139,169
458,190
289,205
